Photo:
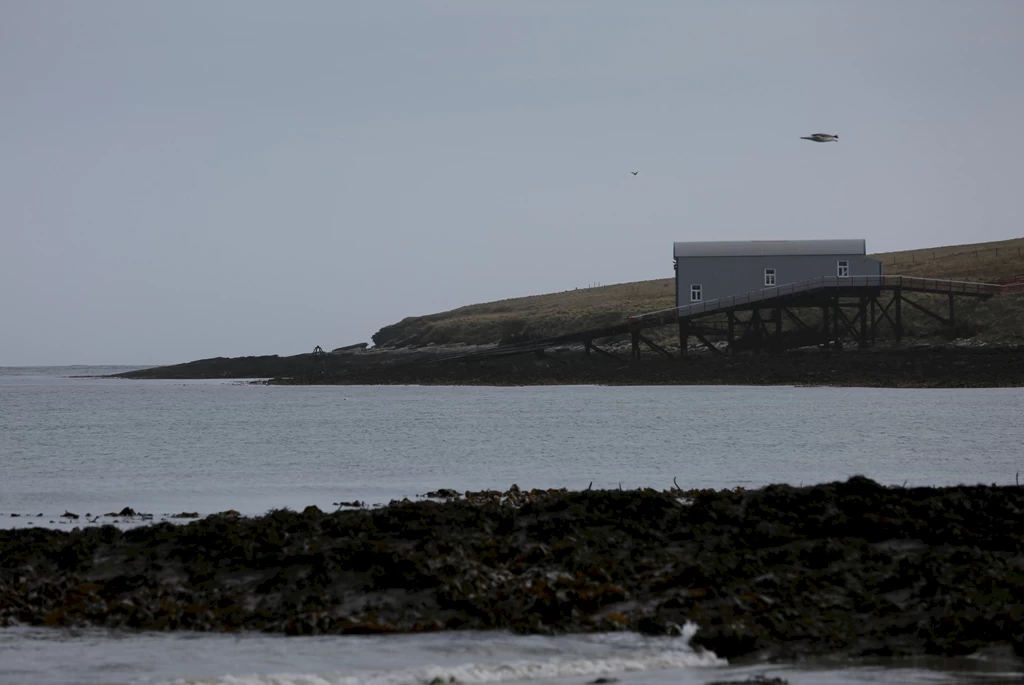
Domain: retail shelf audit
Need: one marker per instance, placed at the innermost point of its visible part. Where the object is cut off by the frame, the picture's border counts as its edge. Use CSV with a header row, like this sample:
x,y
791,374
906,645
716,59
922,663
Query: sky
x,y
190,179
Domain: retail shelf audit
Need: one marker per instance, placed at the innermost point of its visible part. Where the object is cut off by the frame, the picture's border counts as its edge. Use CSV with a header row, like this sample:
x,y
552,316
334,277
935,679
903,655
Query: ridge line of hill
x,y
994,326
553,314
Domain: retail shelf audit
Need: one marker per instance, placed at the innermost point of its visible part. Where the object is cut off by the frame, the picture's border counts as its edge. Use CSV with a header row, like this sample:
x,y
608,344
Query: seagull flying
x,y
634,172
822,137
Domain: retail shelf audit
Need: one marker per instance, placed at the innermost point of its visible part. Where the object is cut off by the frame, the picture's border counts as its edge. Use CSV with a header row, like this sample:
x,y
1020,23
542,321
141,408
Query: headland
x,y
985,347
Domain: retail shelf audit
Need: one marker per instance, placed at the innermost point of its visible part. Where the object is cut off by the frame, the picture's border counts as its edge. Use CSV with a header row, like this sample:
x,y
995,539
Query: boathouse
x,y
707,270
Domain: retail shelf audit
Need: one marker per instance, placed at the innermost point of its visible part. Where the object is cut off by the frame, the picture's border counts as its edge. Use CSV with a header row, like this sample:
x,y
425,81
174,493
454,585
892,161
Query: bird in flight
x,y
634,172
822,137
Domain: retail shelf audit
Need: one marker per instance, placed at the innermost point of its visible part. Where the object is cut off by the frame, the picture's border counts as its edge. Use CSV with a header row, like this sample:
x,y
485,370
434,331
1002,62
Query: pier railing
x,y
1012,284
912,283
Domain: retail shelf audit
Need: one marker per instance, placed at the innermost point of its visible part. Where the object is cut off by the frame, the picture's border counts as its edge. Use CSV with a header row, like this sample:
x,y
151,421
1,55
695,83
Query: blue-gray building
x,y
707,270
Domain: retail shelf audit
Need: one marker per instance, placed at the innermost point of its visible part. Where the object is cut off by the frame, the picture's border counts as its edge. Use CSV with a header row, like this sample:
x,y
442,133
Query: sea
x,y
73,441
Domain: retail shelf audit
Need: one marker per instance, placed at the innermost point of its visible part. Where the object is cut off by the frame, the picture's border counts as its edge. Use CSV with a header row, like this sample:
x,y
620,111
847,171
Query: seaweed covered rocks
x,y
852,567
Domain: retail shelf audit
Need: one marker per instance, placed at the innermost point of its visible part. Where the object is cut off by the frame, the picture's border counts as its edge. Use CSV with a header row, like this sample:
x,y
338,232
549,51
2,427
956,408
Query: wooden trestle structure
x,y
846,309
827,312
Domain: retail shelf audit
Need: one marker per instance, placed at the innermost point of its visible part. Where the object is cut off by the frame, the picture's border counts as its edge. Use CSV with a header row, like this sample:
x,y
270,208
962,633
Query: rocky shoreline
x,y
912,366
930,366
780,572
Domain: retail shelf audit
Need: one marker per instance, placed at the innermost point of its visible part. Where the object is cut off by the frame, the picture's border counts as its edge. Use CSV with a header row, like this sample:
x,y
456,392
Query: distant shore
x,y
852,568
933,365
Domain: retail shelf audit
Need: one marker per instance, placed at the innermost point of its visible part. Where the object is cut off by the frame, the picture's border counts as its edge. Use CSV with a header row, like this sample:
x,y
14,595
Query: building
x,y
707,270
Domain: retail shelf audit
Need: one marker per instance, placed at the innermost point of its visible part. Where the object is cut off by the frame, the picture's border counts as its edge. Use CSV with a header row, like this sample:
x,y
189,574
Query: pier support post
x,y
836,326
862,314
731,318
757,325
952,320
684,337
777,318
825,328
874,303
898,295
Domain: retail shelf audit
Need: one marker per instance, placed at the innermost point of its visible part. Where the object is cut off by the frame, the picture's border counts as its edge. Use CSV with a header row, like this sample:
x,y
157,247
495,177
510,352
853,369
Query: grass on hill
x,y
997,319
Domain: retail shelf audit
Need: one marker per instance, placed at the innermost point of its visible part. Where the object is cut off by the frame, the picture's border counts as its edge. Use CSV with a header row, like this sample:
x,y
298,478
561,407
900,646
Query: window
x,y
769,277
695,293
843,269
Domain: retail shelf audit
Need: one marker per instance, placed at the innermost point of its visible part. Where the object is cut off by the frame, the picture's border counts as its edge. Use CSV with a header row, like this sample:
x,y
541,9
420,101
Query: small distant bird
x,y
822,137
634,172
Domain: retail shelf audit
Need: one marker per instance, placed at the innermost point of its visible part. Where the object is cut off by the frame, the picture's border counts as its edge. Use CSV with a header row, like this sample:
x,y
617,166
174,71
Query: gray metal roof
x,y
753,248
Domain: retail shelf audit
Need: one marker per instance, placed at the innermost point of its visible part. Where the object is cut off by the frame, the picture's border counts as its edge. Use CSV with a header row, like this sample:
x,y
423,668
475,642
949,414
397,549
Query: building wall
x,y
733,275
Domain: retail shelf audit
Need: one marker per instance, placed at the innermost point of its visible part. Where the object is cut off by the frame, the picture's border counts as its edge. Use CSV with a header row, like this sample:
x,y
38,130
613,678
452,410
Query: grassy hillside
x,y
565,312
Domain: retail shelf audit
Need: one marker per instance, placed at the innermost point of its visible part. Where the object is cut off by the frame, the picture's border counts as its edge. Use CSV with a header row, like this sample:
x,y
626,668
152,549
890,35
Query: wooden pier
x,y
827,312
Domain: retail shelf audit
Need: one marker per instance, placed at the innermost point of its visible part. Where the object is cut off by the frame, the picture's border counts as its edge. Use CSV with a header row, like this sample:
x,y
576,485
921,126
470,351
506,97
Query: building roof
x,y
754,248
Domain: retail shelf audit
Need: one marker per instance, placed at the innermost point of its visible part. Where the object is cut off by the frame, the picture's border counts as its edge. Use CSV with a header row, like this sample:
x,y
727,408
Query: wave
x,y
679,656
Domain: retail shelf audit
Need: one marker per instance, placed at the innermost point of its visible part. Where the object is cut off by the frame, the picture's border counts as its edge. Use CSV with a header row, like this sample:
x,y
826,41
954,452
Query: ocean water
x,y
44,657
94,445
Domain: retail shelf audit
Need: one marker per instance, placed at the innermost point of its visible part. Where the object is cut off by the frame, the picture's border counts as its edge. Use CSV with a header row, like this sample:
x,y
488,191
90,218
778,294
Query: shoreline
x,y
912,366
779,572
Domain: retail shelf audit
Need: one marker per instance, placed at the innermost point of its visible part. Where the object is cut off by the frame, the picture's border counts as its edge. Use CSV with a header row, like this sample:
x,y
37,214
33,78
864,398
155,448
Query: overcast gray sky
x,y
188,179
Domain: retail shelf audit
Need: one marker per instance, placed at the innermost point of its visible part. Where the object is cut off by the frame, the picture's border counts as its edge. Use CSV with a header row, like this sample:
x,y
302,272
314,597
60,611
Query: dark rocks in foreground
x,y
851,567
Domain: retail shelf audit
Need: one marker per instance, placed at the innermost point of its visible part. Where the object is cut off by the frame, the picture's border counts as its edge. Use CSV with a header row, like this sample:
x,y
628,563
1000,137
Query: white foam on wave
x,y
677,656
